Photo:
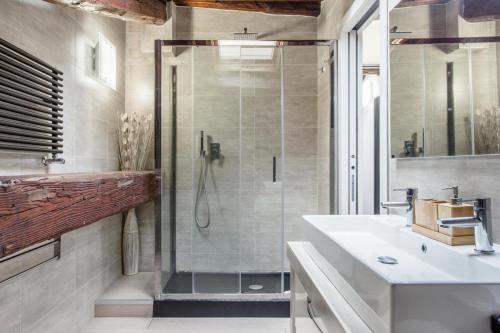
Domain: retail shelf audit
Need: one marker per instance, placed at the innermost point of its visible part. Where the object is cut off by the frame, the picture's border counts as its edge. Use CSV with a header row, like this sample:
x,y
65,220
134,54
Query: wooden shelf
x,y
42,207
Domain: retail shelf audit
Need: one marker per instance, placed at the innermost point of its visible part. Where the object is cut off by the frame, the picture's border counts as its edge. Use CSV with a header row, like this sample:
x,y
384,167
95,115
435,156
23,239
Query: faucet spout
x,y
409,204
393,204
459,222
481,221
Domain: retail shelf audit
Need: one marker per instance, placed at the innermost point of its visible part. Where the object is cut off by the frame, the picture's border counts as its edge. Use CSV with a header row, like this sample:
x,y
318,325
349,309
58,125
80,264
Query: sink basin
x,y
433,287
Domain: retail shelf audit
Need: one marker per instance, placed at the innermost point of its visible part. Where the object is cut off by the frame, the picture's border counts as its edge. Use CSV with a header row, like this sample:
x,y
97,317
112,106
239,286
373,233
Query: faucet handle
x,y
452,187
455,200
404,189
410,191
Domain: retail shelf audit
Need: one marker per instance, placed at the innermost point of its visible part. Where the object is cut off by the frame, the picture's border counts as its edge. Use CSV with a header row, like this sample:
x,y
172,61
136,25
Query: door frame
x,y
349,84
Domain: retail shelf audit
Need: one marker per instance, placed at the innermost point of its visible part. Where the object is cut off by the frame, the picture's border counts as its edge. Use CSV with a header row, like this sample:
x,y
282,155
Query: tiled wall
x,y
59,296
477,176
332,12
139,97
328,24
245,206
249,226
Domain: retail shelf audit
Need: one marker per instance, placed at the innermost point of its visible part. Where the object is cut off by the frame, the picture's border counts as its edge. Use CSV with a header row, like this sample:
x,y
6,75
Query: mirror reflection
x,y
445,79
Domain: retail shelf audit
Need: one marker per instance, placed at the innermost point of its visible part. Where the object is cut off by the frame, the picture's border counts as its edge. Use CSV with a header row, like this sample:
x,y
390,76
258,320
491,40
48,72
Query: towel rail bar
x,y
30,104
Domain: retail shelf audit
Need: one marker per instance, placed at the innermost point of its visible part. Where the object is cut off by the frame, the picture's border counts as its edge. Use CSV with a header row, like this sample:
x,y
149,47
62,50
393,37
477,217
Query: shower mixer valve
x,y
214,151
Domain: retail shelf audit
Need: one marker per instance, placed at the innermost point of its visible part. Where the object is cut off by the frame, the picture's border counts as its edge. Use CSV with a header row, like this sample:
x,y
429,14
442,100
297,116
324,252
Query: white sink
x,y
433,288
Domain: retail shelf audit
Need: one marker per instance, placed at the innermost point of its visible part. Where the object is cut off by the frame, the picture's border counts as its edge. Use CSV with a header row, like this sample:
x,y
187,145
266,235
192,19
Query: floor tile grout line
x,y
150,322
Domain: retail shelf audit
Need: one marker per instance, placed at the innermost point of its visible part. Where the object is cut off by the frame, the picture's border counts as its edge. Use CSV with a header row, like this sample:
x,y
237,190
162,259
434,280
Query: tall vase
x,y
130,245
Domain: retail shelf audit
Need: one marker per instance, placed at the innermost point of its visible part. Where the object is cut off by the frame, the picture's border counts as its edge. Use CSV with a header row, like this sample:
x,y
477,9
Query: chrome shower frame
x,y
159,44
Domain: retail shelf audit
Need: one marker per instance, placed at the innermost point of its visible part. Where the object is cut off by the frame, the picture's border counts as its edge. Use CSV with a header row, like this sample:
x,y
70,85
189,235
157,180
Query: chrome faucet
x,y
481,221
411,196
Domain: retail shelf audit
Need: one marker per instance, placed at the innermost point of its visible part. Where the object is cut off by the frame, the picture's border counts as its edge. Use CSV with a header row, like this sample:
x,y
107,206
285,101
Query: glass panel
x,y
216,187
407,99
307,124
485,70
177,228
262,262
236,104
167,258
444,80
446,102
228,227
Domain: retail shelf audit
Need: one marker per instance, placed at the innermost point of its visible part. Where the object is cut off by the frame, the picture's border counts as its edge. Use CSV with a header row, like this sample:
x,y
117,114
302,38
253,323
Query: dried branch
x,y
135,134
486,131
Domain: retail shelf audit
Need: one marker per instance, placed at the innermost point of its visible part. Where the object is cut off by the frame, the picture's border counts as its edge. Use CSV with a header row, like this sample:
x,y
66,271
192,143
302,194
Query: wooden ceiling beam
x,y
478,11
267,1
146,11
294,7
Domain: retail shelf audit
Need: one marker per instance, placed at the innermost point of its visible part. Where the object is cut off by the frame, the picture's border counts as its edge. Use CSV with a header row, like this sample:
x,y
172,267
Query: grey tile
x,y
215,263
300,174
267,142
300,55
10,306
41,284
222,174
301,111
301,142
301,80
210,80
216,111
61,319
229,139
267,83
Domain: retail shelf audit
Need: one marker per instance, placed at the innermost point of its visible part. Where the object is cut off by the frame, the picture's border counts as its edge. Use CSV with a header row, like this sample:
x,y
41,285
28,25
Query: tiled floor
x,y
196,325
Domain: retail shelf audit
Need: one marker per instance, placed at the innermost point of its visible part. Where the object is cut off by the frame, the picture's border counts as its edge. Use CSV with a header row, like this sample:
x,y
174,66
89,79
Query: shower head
x,y
245,35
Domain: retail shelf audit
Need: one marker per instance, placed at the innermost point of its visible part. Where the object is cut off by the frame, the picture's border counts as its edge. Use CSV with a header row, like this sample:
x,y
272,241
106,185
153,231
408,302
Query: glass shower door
x,y
237,220
262,255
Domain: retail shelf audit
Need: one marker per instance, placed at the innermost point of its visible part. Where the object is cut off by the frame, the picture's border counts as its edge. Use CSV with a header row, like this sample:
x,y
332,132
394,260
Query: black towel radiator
x,y
31,109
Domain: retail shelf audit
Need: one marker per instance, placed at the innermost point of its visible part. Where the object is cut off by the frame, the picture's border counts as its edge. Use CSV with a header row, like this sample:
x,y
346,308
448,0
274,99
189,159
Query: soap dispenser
x,y
455,208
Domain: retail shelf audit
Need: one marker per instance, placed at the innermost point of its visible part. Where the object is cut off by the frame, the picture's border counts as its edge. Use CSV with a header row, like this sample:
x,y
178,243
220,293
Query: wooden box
x,y
426,213
446,210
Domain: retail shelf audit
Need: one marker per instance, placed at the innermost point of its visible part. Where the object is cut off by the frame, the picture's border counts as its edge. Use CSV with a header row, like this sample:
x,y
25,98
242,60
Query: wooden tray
x,y
443,238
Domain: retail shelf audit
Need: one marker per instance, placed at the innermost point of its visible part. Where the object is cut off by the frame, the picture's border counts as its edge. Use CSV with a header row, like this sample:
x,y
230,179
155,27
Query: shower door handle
x,y
274,169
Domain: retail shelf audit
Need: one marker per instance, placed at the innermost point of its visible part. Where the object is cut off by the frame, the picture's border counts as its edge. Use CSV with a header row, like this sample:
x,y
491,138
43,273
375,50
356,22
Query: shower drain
x,y
255,287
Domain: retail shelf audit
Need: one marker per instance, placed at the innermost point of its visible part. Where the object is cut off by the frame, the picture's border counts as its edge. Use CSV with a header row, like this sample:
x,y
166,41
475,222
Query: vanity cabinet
x,y
314,297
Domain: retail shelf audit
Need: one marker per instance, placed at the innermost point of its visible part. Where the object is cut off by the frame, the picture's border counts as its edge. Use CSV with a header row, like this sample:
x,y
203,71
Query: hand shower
x,y
201,193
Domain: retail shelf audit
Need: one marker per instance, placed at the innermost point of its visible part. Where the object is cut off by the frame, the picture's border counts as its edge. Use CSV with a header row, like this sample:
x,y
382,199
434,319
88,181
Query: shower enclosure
x,y
242,145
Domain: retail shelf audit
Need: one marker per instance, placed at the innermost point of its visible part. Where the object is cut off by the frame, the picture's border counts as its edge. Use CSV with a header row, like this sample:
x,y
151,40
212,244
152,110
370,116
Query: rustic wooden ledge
x,y
37,208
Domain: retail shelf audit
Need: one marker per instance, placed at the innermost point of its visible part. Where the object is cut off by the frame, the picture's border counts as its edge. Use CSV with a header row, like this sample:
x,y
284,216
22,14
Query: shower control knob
x,y
215,151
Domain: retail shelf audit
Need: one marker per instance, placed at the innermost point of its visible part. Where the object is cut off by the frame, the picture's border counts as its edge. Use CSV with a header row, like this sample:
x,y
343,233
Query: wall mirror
x,y
444,77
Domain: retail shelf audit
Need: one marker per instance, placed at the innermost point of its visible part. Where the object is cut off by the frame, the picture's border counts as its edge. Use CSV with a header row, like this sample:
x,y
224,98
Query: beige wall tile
x,y
10,306
46,295
249,133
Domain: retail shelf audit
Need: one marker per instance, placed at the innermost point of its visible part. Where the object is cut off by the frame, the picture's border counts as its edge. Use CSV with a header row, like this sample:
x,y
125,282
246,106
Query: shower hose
x,y
201,194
